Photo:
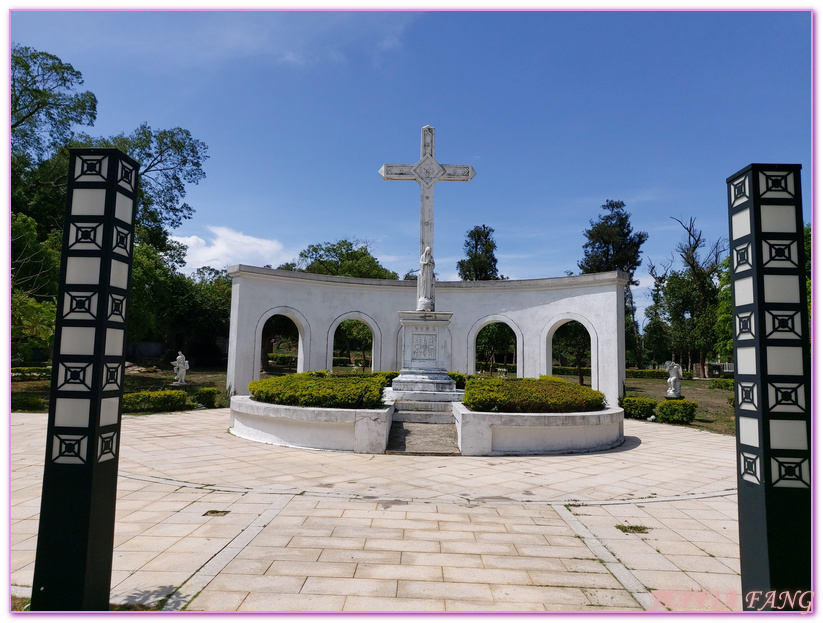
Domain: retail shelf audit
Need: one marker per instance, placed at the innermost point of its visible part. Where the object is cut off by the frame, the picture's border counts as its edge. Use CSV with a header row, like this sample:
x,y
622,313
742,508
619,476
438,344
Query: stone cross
x,y
427,172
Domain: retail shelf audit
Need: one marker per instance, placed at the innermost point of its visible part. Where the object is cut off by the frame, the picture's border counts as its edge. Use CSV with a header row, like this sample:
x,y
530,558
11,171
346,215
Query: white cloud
x,y
228,247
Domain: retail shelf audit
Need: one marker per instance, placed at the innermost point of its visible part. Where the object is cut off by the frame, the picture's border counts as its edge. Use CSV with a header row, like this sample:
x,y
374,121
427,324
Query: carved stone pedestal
x,y
426,352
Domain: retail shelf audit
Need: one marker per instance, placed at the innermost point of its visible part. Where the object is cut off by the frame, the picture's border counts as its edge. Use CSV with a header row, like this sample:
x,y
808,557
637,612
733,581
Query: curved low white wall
x,y
364,431
487,434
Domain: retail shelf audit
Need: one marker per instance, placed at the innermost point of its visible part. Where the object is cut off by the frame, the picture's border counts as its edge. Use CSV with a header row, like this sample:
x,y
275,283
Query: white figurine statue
x,y
675,374
425,282
180,366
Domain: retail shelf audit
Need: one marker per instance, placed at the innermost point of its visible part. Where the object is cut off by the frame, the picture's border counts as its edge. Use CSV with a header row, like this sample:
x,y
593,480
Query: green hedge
x,y
283,359
545,395
483,366
677,411
154,402
31,373
29,404
631,373
570,371
460,379
722,384
206,396
310,390
638,408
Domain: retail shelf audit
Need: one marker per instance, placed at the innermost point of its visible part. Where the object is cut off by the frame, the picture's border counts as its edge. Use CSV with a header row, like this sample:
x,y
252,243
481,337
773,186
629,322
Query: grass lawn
x,y
714,413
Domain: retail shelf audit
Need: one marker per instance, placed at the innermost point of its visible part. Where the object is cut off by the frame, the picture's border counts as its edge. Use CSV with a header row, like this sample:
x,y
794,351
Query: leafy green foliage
x,y
30,373
480,263
495,344
32,325
722,384
45,104
345,258
638,408
154,402
460,379
612,244
544,395
571,341
677,411
308,390
206,396
28,404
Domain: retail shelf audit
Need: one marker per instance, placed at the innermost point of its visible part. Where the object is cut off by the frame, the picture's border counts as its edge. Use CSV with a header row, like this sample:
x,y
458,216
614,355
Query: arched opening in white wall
x,y
356,338
495,347
571,341
280,342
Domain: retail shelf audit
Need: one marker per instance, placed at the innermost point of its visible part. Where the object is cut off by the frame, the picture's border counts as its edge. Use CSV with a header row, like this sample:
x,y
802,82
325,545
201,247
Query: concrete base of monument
x,y
490,434
423,406
432,381
365,431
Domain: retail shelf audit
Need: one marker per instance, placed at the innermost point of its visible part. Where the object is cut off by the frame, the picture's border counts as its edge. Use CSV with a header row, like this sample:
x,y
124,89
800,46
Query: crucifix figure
x,y
427,172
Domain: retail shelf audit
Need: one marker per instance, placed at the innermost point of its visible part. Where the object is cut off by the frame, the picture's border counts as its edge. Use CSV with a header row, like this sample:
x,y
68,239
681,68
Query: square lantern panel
x,y
72,412
784,360
77,341
85,236
790,472
749,430
745,326
74,377
106,446
119,274
784,325
786,397
743,291
746,360
780,254
777,185
88,202
739,191
109,411
750,467
124,208
741,224
117,308
780,219
126,176
82,271
114,342
747,396
781,288
91,168
788,435
79,305
742,257
69,449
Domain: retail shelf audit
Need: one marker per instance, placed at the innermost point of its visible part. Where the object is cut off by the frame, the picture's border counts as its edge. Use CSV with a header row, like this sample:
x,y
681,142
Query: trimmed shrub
x,y
386,375
570,371
31,373
722,384
283,359
460,379
483,366
154,402
339,362
31,404
545,395
631,373
206,396
311,390
638,408
677,411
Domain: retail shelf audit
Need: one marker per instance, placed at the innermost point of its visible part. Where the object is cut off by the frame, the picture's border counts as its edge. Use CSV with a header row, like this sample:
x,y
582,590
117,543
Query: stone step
x,y
422,396
427,417
419,405
423,439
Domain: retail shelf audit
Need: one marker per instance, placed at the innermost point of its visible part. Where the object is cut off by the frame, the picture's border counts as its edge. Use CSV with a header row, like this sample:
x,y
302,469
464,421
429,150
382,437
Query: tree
x,y
571,341
353,334
724,322
612,244
495,343
345,258
657,343
692,294
480,263
44,103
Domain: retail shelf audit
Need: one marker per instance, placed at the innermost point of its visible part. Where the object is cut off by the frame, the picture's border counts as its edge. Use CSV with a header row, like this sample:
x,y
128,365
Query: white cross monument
x,y
426,339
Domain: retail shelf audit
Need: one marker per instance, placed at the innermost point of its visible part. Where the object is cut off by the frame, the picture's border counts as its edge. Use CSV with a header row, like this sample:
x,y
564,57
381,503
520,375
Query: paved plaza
x,y
210,522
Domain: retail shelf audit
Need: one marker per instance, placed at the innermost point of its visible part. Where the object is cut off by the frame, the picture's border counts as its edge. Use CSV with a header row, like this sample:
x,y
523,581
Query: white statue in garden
x,y
675,374
425,282
180,366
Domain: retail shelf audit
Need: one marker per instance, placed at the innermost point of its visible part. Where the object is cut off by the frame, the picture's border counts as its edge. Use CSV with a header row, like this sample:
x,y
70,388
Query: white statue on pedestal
x,y
675,374
425,282
180,366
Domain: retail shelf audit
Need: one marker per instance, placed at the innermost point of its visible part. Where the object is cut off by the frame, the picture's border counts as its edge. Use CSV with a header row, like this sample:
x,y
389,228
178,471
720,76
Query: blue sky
x,y
557,112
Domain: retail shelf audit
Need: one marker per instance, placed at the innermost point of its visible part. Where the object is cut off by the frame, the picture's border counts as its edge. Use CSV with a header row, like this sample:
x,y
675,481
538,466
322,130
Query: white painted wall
x,y
533,308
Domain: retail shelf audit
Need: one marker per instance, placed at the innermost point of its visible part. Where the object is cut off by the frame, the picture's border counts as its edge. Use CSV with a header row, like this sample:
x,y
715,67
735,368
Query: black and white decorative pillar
x,y
772,385
76,536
